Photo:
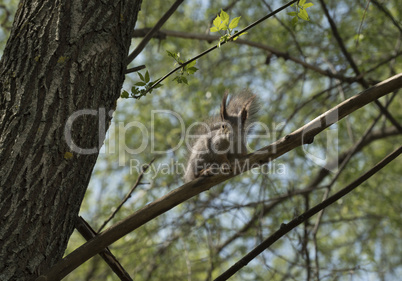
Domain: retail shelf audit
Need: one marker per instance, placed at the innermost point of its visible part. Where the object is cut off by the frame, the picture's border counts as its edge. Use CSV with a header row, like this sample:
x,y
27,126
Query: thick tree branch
x,y
301,136
321,175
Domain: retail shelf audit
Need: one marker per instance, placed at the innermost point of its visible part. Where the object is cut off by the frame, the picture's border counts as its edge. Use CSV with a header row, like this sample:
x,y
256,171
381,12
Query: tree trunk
x,y
61,57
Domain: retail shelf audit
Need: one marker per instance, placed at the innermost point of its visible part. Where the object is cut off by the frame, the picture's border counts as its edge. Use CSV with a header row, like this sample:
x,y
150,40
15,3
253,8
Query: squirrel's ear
x,y
224,113
244,111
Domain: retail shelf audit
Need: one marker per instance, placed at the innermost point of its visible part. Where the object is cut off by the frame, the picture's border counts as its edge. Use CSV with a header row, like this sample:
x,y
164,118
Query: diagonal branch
x,y
285,228
339,38
313,185
88,233
266,154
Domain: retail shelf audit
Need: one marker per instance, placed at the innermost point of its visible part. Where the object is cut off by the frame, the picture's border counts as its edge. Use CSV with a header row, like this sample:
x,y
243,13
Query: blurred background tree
x,y
298,72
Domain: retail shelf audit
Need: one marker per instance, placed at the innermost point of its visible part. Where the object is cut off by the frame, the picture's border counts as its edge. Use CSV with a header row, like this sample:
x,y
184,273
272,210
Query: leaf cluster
x,y
225,27
301,11
187,67
141,88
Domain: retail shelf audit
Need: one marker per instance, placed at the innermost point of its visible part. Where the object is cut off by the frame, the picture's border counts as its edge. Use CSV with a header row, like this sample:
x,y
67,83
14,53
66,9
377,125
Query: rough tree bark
x,y
61,57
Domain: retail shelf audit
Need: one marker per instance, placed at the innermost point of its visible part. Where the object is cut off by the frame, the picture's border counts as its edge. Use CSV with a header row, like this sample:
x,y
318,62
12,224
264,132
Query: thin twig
x,y
388,14
6,18
150,34
285,228
352,63
128,195
361,24
135,69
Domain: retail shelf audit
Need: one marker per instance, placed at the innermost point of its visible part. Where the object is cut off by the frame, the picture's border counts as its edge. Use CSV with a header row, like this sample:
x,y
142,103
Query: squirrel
x,y
221,139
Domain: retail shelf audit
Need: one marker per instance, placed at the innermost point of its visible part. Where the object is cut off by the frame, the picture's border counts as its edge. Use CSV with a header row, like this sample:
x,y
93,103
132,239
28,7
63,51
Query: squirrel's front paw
x,y
226,169
213,170
208,172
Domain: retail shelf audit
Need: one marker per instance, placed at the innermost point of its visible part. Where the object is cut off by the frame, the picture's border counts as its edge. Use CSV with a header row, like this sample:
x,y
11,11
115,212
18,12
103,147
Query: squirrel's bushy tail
x,y
238,101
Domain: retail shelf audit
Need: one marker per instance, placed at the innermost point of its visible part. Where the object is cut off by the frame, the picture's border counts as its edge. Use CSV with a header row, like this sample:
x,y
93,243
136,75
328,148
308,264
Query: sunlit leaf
x,y
225,17
217,22
234,23
303,15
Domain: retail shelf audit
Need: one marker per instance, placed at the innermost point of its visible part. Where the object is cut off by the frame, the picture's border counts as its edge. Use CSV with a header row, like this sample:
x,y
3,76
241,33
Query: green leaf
x,y
170,54
308,5
141,84
292,14
225,17
192,70
294,21
237,35
217,22
234,23
303,15
191,64
214,29
147,77
180,79
301,2
175,56
141,76
124,95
